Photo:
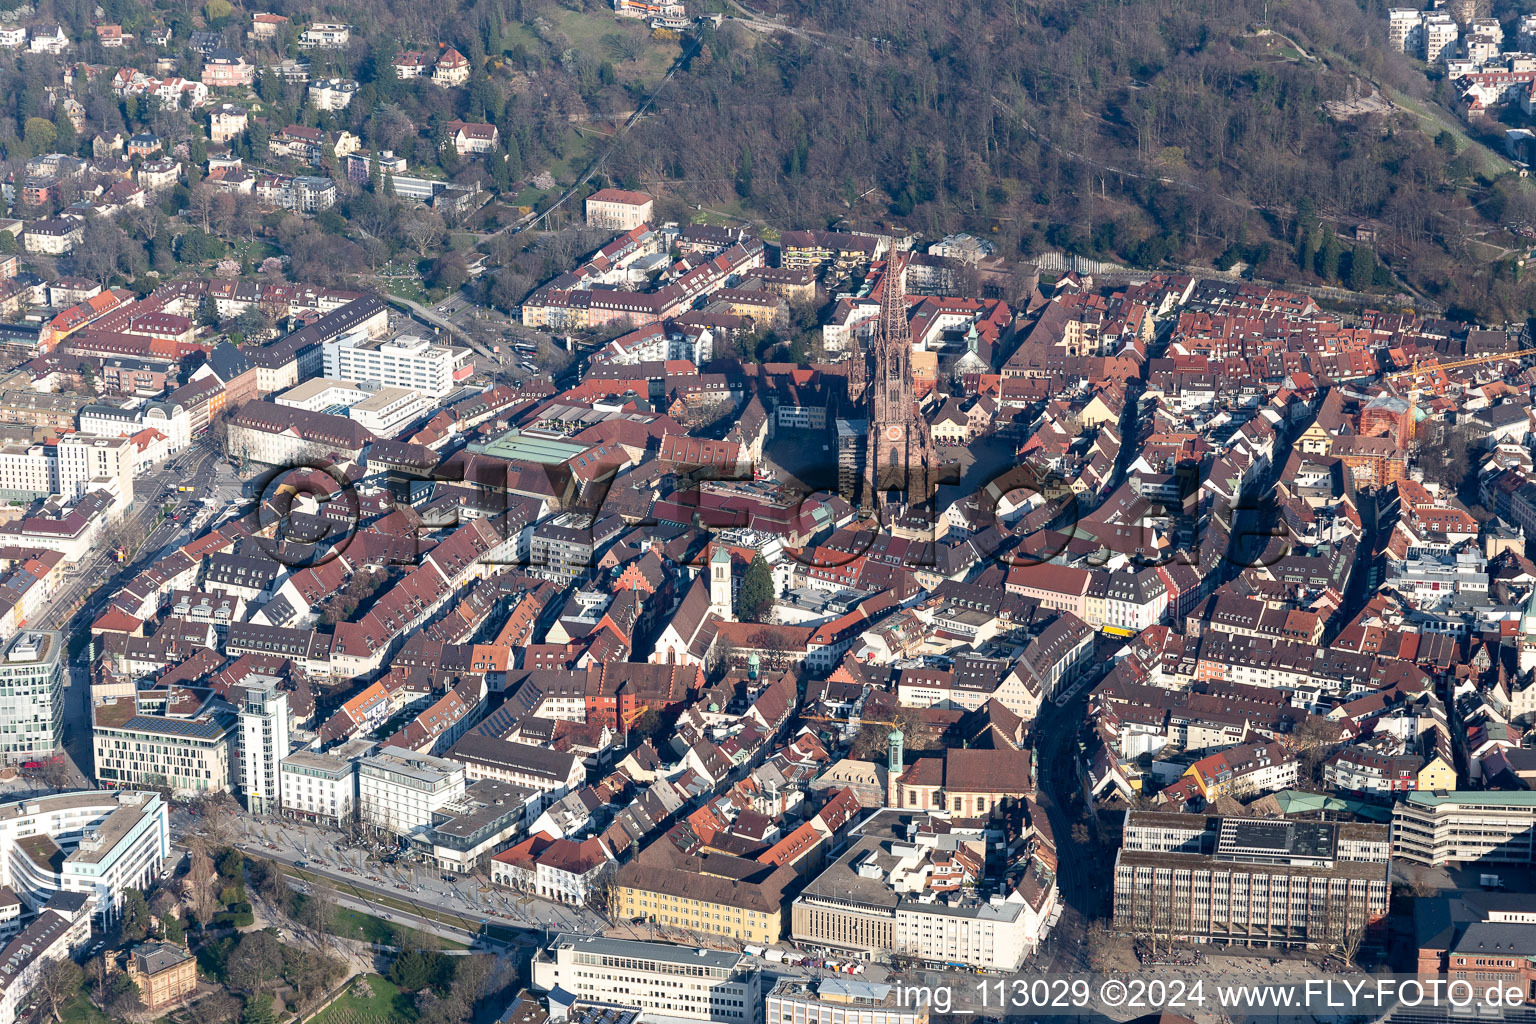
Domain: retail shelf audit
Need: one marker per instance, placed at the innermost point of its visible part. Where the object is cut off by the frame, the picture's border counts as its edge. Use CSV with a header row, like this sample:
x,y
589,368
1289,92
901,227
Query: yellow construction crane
x,y
1418,368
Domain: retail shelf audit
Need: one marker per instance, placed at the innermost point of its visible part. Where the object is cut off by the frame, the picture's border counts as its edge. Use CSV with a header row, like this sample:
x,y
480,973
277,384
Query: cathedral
x,y
900,460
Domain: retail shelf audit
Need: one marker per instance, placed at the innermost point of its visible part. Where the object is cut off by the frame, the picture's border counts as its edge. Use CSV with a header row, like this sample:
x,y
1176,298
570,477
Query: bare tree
x,y
318,912
255,962
200,203
96,974
217,1007
422,229
58,982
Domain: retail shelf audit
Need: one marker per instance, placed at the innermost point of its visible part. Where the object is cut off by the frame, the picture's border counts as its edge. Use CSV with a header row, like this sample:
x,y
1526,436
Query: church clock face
x,y
893,432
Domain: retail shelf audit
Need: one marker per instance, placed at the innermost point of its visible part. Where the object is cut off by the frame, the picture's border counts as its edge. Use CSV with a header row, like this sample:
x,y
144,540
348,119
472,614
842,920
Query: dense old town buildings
x,y
788,596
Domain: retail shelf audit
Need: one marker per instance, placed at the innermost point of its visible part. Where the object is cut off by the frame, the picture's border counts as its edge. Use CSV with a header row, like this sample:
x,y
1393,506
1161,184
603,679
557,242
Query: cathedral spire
x,y
900,455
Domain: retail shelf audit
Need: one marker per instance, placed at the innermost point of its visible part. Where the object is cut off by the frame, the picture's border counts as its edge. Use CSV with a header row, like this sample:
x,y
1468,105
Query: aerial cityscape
x,y
645,512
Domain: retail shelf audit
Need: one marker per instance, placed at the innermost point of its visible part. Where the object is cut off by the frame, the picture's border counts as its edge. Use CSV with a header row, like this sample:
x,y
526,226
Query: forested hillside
x,y
1145,131
1154,132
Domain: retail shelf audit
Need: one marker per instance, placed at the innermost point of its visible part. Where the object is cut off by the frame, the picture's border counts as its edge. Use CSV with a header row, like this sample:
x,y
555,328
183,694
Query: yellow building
x,y
1437,774
686,896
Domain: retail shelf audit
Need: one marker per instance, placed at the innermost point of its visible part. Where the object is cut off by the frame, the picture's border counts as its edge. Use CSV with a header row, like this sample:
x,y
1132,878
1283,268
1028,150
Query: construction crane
x,y
1498,357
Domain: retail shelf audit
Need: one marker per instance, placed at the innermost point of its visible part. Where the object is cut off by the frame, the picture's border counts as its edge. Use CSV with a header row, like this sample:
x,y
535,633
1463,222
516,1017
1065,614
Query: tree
x,y
411,970
754,601
123,1000
198,246
647,725
421,229
217,1007
1313,741
258,1010
1102,946
96,976
254,323
448,272
1328,259
744,173
255,961
39,135
268,881
623,47
1362,267
318,911
231,864
58,982
135,915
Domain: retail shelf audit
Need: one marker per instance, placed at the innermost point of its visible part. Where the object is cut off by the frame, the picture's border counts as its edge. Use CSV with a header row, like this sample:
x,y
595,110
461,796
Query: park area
x,y
370,999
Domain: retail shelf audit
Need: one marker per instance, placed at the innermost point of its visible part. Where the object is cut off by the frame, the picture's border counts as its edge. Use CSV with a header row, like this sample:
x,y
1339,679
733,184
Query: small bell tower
x,y
720,601
893,765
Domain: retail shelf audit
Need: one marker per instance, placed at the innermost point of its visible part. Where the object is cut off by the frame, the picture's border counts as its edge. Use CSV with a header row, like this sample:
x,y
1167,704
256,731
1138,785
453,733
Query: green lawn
x,y
586,31
81,1011
530,196
351,924
387,1006
406,288
578,152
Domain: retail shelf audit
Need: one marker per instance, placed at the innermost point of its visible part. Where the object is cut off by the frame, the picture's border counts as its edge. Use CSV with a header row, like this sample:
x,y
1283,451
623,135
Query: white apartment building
x,y
1250,881
332,93
1405,30
263,745
31,696
28,471
399,790
92,842
60,931
407,361
322,394
1440,36
189,755
668,983
319,787
388,411
96,464
172,420
325,35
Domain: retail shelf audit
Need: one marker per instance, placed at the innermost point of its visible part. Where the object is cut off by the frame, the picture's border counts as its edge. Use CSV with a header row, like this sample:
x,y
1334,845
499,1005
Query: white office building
x,y
407,361
31,696
319,787
263,745
388,411
96,464
93,842
399,790
668,983
28,471
322,394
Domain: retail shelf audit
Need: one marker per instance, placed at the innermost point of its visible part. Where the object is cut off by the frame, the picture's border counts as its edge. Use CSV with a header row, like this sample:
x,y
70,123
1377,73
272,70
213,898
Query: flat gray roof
x,y
638,950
